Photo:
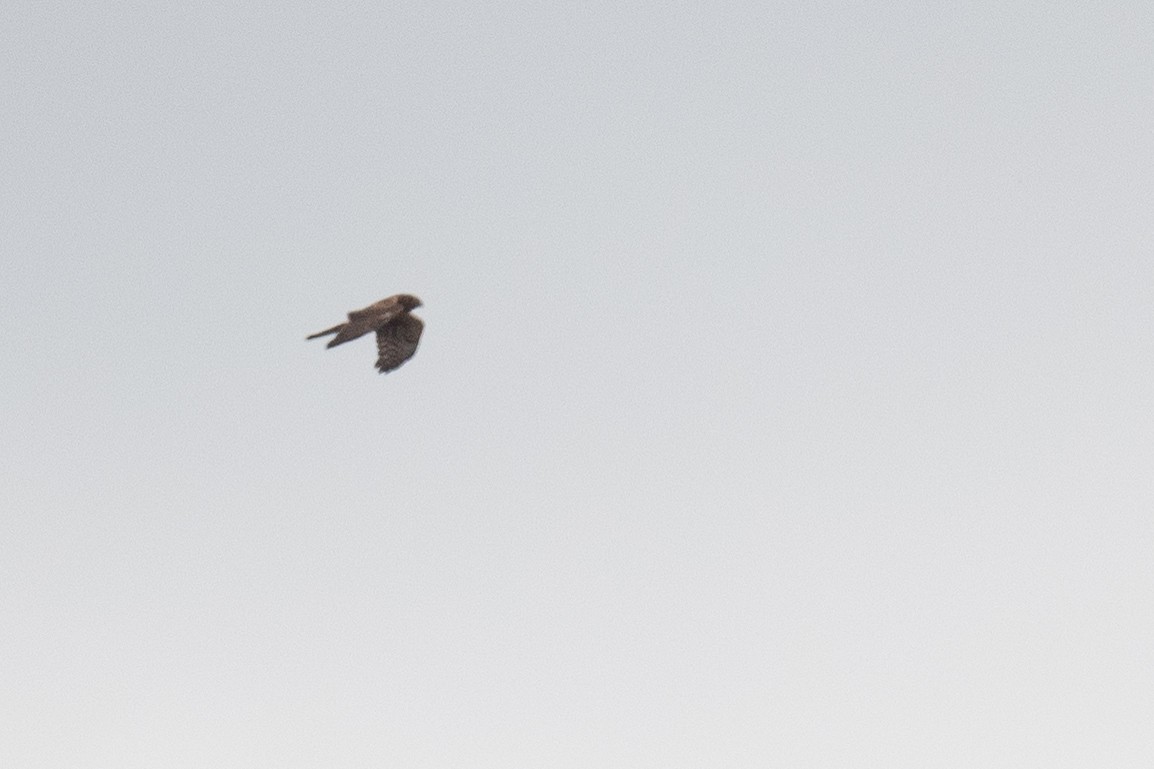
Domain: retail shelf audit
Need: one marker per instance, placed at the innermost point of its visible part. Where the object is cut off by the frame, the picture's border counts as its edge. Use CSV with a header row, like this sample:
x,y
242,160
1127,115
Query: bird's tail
x,y
327,331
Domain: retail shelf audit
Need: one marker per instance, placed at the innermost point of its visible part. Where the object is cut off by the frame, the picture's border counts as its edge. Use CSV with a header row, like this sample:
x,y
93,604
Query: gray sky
x,y
784,398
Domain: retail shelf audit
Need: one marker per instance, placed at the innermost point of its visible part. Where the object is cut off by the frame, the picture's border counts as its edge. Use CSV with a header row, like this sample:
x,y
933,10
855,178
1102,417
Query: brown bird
x,y
397,331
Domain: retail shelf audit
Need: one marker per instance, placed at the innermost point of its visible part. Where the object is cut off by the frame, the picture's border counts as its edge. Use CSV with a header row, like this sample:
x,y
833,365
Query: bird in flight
x,y
397,331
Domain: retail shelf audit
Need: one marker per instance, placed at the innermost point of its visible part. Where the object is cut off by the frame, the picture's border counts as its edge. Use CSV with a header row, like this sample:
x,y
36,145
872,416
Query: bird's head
x,y
408,301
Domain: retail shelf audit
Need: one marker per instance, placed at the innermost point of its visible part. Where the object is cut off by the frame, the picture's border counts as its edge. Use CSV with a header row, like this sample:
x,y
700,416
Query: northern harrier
x,y
397,331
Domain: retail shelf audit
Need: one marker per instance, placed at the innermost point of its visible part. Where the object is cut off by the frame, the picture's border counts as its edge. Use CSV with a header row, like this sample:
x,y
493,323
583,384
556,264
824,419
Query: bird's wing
x,y
380,312
369,319
397,341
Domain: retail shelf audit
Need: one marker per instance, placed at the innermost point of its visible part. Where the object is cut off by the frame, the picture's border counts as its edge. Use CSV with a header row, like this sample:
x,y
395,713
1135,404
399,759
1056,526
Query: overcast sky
x,y
784,400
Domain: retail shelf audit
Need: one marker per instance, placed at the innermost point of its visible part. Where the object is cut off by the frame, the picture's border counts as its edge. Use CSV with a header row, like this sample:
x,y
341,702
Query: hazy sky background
x,y
784,398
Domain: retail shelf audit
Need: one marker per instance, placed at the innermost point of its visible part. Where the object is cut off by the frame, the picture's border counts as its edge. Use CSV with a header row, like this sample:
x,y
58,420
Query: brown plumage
x,y
398,332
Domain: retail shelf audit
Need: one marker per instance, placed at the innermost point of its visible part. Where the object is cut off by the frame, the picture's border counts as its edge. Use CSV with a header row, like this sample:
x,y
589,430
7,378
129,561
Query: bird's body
x,y
398,331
